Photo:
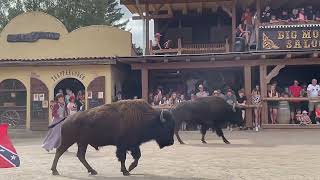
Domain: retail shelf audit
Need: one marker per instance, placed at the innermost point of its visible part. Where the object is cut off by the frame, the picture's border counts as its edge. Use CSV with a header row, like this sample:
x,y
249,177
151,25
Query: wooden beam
x,y
185,9
264,89
130,2
160,16
170,12
247,88
234,22
147,18
145,83
258,7
275,71
231,63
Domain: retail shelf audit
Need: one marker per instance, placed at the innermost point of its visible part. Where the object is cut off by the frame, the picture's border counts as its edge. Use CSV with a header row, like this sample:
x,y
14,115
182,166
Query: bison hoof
x,y
126,173
227,142
132,166
182,142
93,172
204,142
55,173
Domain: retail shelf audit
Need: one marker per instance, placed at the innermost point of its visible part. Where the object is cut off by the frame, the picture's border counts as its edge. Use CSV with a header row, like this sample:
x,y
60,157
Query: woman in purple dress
x,y
52,139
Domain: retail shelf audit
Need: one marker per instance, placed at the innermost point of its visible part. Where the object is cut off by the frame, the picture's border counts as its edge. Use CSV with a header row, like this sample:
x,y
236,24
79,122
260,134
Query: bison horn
x,y
162,119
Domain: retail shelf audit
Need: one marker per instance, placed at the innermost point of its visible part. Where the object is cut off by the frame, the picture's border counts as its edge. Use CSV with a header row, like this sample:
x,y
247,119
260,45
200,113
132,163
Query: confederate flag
x,y
8,155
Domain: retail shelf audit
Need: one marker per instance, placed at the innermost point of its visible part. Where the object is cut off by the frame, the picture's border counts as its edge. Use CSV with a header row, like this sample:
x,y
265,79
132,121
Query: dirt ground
x,y
270,154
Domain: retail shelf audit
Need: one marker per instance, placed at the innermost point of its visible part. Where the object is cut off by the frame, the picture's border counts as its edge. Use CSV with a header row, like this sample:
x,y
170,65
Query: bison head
x,y
165,129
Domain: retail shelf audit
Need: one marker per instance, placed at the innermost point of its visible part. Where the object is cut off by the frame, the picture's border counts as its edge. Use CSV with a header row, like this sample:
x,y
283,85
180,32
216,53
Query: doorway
x,y
73,84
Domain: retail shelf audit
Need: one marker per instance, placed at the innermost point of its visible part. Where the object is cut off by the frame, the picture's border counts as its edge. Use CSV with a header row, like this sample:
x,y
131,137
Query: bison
x,y
125,124
209,112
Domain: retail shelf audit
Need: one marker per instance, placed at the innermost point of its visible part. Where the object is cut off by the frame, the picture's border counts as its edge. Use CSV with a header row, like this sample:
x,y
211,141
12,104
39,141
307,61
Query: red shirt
x,y
295,90
318,112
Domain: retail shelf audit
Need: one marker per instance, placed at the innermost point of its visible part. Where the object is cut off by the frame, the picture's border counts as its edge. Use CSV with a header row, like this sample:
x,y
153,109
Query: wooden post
x,y
147,30
264,90
247,88
145,83
258,22
234,22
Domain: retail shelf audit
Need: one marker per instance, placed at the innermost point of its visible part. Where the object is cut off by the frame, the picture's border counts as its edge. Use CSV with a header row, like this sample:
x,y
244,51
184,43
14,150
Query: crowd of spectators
x,y
290,15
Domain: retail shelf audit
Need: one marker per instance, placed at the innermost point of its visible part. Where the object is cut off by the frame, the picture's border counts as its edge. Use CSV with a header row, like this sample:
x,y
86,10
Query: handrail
x,y
291,99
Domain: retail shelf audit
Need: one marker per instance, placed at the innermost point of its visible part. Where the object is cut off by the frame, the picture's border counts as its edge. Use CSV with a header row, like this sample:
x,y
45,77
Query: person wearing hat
x,y
304,118
156,42
52,139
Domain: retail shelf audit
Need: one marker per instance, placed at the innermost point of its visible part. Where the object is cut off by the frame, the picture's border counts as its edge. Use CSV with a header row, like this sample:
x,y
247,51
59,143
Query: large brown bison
x,y
125,124
209,112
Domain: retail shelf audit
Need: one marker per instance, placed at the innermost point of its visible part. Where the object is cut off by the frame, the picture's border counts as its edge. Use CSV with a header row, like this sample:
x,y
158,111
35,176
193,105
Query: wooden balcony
x,y
193,48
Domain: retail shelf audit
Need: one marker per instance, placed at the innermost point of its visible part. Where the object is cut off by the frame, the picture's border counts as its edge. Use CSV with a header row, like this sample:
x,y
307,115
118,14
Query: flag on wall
x,y
8,155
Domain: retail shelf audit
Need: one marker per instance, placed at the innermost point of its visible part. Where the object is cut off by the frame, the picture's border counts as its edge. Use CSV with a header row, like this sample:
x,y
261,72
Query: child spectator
x,y
284,16
242,100
72,107
309,13
302,16
295,15
304,118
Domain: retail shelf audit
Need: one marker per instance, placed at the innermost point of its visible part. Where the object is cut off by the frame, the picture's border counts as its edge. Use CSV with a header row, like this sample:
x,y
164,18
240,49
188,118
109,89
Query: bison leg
x,y
121,155
220,134
178,137
136,154
203,132
81,154
60,150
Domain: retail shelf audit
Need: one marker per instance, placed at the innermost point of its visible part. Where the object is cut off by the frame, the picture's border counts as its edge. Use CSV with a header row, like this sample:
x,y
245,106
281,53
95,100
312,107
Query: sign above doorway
x,y
68,73
32,37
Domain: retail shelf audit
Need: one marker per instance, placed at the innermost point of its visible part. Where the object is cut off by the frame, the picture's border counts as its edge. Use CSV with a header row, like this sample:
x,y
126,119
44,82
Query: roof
x,y
59,61
233,59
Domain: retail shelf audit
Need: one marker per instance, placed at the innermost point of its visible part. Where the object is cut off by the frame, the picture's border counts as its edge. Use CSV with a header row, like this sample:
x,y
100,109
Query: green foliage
x,y
73,13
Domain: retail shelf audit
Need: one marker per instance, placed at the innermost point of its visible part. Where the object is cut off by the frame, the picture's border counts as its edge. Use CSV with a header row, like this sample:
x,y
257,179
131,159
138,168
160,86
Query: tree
x,y
72,13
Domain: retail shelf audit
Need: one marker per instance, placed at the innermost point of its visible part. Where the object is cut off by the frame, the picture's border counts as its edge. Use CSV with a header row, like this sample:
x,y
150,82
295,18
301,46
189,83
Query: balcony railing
x,y
194,48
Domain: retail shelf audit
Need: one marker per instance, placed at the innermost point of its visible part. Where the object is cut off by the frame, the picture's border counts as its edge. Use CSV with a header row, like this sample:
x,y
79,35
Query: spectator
x,y
317,114
310,15
302,17
72,107
273,105
266,15
304,118
247,21
295,91
304,93
242,100
164,101
157,98
168,44
218,93
256,100
242,33
295,15
317,17
273,19
173,100
202,92
313,94
182,98
230,98
156,42
284,16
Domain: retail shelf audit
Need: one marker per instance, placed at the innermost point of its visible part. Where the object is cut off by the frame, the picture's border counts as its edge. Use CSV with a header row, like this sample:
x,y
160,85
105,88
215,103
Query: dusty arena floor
x,y
271,154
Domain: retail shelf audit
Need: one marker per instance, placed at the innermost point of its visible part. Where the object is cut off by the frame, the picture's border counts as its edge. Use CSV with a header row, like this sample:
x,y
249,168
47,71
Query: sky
x,y
136,28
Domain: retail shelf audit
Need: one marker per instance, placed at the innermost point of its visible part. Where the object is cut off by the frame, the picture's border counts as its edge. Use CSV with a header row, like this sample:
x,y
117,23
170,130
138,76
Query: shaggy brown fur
x,y
125,124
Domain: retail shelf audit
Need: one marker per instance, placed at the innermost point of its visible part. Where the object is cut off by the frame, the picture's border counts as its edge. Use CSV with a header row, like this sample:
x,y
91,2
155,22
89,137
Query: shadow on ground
x,y
133,177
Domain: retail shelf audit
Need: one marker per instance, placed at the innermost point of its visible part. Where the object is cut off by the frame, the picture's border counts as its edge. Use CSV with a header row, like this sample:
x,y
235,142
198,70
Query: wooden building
x,y
38,56
203,32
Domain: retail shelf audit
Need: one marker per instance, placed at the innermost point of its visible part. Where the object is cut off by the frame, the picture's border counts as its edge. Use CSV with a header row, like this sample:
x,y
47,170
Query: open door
x,y
96,92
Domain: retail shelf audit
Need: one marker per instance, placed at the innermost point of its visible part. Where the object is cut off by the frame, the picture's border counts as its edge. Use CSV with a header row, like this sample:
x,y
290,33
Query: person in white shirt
x,y
201,92
313,94
156,42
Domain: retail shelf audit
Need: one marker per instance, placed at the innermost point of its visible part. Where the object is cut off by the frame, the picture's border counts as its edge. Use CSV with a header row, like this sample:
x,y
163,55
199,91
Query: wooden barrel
x,y
284,112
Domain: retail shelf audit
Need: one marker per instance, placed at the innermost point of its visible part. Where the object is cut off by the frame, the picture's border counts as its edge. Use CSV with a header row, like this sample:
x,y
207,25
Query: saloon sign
x,y
289,37
32,37
67,73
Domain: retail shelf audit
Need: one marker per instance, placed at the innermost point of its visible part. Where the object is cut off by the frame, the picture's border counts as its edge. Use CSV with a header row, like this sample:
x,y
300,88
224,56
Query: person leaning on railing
x,y
313,95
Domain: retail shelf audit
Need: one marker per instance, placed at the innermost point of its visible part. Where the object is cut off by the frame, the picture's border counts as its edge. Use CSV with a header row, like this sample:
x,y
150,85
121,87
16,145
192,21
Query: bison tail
x,y
53,125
